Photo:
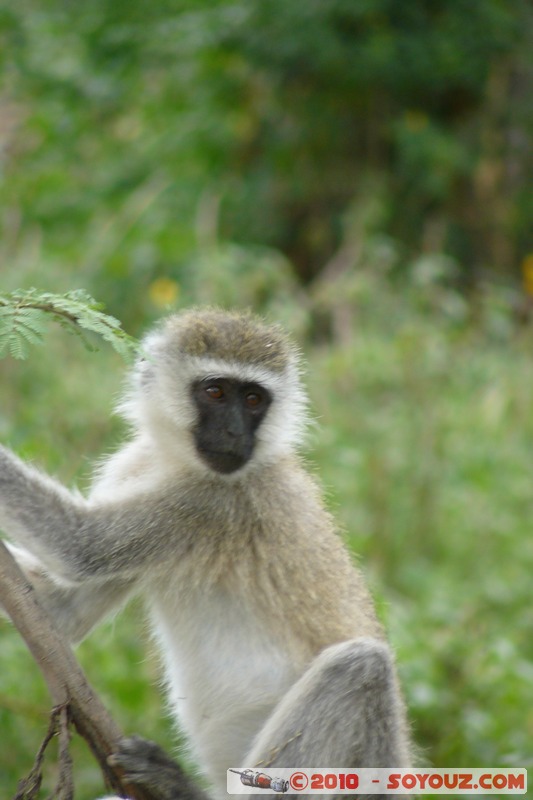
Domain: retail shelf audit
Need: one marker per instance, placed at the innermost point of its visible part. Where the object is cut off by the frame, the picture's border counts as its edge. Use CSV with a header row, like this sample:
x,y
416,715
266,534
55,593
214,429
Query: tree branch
x,y
70,692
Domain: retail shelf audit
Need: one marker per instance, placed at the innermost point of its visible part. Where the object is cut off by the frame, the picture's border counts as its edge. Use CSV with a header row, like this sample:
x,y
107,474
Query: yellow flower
x,y
527,274
163,292
415,121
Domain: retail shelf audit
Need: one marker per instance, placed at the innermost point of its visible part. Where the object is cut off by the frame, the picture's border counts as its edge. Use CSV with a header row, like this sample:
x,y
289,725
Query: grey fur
x,y
345,710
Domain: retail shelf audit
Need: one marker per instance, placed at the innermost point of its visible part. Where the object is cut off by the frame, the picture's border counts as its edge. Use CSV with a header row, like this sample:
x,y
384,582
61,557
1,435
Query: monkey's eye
x,y
253,399
214,392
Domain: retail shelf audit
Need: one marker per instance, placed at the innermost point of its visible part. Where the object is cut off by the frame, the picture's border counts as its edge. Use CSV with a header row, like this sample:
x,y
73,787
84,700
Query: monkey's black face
x,y
229,414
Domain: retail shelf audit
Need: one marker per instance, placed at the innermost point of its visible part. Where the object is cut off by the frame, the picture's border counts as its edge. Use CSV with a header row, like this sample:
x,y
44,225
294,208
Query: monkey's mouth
x,y
223,461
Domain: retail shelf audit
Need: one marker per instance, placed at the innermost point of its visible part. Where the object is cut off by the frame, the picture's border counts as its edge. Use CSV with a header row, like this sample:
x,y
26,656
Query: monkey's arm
x,y
80,540
74,609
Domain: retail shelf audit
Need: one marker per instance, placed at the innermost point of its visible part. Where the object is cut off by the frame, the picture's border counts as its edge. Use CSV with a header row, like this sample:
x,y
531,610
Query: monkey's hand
x,y
146,764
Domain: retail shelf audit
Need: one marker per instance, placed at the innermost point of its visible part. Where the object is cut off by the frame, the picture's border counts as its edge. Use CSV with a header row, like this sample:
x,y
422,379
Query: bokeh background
x,y
361,172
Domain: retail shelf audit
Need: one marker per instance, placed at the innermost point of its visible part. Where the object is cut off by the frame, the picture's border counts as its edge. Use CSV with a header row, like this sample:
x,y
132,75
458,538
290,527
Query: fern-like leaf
x,y
19,328
23,316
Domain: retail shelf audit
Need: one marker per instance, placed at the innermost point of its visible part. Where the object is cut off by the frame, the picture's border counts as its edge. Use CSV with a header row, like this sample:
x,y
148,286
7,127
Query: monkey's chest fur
x,y
240,615
225,673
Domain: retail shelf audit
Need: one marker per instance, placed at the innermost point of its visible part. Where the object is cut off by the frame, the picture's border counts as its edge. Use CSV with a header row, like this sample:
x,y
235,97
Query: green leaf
x,y
24,314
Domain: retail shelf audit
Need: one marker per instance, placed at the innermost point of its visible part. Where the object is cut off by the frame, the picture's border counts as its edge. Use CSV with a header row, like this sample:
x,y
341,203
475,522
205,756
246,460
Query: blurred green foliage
x,y
426,438
122,122
346,168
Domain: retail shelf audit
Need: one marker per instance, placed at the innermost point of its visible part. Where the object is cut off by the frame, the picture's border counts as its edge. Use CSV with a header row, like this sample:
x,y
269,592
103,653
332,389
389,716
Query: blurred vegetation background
x,y
361,172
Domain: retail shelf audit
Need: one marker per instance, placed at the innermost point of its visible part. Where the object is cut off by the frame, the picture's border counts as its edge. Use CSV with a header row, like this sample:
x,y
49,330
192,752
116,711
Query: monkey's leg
x,y
345,711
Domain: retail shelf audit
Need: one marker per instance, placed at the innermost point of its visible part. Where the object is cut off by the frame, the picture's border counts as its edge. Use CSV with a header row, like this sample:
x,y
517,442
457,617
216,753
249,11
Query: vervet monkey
x,y
272,650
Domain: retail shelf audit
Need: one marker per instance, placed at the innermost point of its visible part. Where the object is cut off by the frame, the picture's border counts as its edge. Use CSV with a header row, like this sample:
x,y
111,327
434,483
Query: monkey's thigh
x,y
345,711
